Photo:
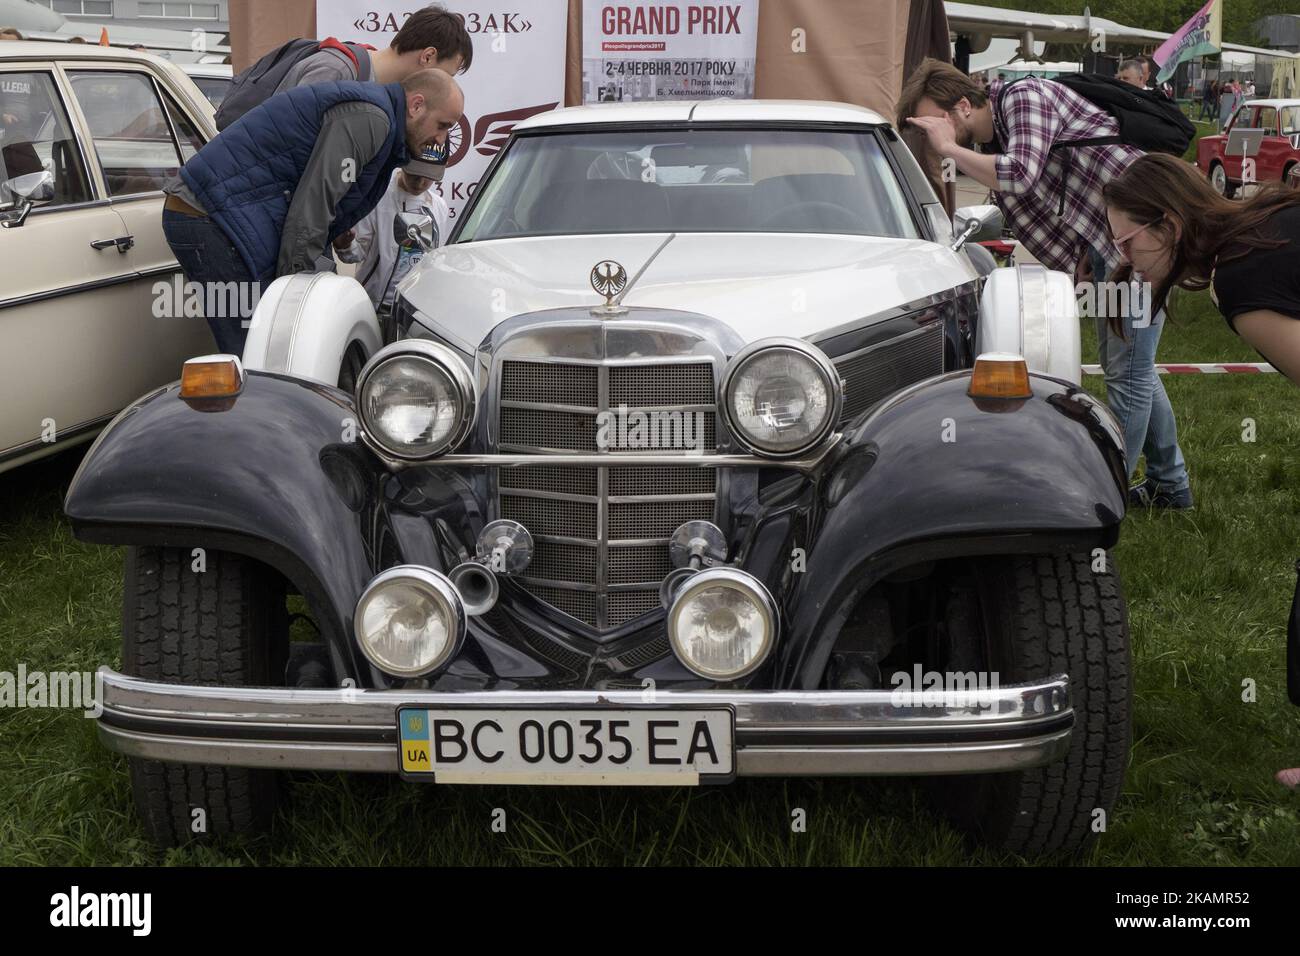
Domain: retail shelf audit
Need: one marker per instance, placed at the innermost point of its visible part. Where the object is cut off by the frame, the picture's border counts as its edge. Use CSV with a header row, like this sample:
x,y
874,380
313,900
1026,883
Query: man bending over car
x,y
1046,152
266,197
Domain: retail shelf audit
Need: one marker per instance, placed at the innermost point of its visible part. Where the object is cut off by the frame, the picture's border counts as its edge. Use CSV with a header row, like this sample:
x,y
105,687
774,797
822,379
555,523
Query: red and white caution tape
x,y
1200,368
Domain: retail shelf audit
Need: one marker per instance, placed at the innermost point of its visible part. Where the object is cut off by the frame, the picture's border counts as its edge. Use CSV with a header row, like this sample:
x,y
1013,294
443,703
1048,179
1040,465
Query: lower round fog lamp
x,y
410,621
722,623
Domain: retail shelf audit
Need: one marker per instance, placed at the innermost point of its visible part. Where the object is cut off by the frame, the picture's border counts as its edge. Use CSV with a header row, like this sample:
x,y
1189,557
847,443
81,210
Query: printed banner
x,y
1199,36
518,71
668,50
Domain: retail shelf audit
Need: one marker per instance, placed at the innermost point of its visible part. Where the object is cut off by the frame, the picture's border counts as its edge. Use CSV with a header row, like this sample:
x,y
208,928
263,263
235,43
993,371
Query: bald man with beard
x,y
269,194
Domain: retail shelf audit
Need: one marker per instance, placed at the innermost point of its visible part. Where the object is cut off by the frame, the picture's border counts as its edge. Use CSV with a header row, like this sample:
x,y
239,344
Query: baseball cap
x,y
430,164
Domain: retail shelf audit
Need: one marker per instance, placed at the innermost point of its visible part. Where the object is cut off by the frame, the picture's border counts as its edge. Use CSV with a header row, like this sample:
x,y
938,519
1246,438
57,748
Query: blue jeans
x,y
1137,397
206,255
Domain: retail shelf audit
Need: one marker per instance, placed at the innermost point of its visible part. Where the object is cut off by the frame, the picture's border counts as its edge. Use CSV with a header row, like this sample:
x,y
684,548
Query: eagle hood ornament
x,y
609,279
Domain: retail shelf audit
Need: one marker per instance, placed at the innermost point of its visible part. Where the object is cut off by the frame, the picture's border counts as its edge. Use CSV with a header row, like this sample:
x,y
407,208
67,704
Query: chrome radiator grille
x,y
877,372
601,533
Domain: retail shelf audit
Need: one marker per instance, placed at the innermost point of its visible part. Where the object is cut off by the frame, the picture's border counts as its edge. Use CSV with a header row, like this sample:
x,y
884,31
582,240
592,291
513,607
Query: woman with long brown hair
x,y
1174,230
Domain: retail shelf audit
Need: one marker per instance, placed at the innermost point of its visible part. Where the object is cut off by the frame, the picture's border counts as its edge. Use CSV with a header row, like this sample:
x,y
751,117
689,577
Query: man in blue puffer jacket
x,y
268,195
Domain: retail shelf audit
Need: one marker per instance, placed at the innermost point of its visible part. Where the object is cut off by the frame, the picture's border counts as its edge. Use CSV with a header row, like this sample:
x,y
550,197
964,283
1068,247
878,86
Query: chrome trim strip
x,y
613,499
64,437
926,329
640,499
591,588
602,492
616,543
90,286
785,733
65,207
825,340
509,460
1034,326
592,410
284,323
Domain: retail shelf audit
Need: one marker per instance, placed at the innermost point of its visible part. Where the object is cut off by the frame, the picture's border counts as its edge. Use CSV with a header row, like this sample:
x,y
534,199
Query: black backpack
x,y
258,83
1147,119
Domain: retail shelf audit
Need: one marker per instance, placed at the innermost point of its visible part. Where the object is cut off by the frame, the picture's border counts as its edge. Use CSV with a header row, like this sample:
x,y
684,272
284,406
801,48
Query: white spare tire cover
x,y
1032,311
304,323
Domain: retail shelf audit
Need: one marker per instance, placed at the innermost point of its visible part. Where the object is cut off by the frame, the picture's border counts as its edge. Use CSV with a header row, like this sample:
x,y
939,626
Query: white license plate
x,y
568,745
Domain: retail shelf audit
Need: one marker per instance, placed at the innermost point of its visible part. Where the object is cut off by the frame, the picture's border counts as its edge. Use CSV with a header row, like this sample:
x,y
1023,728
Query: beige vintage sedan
x,y
88,136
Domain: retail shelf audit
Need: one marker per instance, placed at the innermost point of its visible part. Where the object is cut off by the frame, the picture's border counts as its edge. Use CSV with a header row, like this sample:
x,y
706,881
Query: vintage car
x,y
700,451
89,136
1279,145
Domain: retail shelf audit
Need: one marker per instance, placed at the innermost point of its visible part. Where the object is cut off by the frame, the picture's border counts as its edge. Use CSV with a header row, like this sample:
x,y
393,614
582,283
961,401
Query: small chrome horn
x,y
503,547
477,587
694,546
669,585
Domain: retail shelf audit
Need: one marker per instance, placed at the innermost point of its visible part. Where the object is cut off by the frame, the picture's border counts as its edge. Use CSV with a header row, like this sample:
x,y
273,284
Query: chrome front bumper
x,y
778,733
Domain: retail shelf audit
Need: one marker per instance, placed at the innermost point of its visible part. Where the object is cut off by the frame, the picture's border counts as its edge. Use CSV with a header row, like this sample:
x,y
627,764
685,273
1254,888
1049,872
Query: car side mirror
x,y
976,224
413,228
18,195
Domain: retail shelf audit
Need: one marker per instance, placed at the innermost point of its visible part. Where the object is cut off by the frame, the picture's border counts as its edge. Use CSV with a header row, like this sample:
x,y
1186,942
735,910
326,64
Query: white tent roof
x,y
970,18
1031,66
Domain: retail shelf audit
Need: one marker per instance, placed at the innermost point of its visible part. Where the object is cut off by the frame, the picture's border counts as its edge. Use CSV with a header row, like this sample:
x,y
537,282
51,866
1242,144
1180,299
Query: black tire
x,y
354,360
226,625
1047,615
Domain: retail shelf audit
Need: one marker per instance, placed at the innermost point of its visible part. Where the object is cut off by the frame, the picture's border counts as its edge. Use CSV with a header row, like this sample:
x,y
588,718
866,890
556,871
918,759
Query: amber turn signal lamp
x,y
1000,375
211,383
212,376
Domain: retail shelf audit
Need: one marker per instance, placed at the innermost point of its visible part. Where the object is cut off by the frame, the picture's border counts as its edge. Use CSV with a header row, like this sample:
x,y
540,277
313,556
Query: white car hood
x,y
761,284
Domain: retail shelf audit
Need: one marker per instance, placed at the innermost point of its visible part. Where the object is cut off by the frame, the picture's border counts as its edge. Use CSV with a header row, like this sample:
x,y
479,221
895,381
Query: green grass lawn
x,y
1208,596
1203,127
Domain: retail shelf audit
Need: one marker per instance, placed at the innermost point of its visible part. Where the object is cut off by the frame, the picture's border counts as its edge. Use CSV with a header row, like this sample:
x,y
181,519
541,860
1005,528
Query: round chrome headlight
x,y
416,400
722,623
409,621
782,397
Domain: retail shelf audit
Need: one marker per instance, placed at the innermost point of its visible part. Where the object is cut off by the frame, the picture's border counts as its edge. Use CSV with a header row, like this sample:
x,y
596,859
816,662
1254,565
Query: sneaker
x,y
1147,494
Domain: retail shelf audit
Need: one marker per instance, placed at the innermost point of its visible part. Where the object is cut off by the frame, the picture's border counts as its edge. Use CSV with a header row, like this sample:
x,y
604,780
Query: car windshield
x,y
697,180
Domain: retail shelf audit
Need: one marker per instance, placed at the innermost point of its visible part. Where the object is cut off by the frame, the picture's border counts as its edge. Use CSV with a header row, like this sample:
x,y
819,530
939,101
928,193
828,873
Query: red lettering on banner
x,y
724,19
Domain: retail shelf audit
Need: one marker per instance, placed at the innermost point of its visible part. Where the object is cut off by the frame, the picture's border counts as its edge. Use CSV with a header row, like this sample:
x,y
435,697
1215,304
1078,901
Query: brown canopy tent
x,y
856,51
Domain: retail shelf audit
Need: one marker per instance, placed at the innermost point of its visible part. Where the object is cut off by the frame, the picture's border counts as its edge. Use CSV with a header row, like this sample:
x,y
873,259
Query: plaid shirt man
x,y
1052,198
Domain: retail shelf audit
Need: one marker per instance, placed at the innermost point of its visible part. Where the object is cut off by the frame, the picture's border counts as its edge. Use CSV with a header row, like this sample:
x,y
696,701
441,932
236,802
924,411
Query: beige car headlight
x,y
409,621
416,400
722,623
782,397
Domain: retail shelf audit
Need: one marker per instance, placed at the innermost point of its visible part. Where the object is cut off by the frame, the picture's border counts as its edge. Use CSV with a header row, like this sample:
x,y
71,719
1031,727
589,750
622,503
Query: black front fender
x,y
932,473
274,476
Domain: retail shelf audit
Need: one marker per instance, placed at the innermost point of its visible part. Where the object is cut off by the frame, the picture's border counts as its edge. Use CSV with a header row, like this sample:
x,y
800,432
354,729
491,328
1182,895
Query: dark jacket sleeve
x,y
350,137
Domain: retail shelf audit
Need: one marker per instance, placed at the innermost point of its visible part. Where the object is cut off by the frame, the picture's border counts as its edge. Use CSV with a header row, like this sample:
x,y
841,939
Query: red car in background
x,y
1279,151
